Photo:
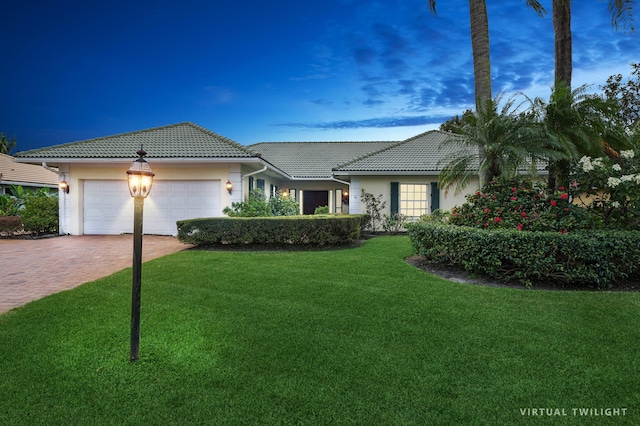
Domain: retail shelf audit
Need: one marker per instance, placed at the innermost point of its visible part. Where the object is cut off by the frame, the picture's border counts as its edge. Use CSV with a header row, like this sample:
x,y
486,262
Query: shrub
x,y
373,209
521,204
281,204
393,223
9,205
321,210
299,230
609,188
40,213
595,258
255,206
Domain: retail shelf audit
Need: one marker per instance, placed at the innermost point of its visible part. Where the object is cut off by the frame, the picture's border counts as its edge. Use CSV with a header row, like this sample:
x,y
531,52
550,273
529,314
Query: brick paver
x,y
32,269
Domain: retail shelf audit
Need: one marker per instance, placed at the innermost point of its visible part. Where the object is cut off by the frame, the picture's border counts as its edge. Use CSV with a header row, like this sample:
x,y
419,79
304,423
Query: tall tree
x,y
6,145
481,56
577,124
480,48
621,16
627,96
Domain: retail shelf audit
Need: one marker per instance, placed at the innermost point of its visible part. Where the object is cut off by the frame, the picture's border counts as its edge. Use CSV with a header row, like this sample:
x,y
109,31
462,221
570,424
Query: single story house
x,y
194,167
28,176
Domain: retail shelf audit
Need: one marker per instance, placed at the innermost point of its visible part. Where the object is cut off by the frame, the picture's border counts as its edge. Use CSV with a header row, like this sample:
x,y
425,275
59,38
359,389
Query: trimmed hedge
x,y
600,258
281,230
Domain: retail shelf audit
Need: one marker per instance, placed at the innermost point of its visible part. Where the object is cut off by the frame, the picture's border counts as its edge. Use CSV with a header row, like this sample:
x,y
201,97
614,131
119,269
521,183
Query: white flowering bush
x,y
609,187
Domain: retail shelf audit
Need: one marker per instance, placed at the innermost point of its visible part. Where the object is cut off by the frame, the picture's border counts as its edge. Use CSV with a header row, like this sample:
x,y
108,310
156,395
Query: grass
x,y
353,336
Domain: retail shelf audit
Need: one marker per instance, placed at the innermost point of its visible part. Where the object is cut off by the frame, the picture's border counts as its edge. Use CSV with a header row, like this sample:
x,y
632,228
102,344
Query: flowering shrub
x,y
520,204
609,188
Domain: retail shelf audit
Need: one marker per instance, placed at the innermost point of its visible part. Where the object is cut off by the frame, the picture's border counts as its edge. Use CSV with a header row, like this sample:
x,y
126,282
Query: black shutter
x,y
435,196
395,197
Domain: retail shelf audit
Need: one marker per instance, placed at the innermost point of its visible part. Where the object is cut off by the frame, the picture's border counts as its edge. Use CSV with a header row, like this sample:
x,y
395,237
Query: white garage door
x,y
108,207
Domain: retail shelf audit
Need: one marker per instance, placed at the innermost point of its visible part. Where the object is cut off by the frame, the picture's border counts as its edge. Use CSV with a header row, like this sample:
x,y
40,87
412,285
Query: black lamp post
x,y
140,179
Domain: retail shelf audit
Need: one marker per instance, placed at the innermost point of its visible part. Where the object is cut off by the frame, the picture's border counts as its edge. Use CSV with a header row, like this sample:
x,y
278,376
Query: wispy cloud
x,y
380,122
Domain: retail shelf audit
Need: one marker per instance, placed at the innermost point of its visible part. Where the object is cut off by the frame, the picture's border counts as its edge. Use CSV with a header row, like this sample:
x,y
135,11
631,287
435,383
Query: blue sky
x,y
285,70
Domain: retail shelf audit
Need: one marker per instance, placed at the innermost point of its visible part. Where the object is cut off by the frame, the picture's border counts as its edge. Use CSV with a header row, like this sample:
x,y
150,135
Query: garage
x,y
108,207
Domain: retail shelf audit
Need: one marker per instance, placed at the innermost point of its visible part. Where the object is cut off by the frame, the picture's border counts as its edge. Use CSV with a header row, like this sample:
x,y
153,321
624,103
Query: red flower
x,y
514,189
486,210
523,214
519,227
564,231
497,220
564,196
553,203
514,198
561,188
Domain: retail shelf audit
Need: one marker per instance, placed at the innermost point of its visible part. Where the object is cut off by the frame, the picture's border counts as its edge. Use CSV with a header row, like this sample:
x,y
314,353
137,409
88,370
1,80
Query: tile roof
x,y
182,140
17,173
309,160
421,153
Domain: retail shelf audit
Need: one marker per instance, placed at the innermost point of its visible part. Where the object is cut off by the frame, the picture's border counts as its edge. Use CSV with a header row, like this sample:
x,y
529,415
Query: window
x,y
413,199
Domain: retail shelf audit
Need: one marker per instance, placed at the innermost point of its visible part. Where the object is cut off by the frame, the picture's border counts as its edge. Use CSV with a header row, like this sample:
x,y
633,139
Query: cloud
x,y
381,122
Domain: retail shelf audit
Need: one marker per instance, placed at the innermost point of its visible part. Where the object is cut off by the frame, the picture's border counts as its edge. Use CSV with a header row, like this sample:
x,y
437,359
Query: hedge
x,y
280,230
601,258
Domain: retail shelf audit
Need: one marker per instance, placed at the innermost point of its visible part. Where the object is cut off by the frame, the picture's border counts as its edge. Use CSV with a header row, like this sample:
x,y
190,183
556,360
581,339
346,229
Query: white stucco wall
x,y
381,185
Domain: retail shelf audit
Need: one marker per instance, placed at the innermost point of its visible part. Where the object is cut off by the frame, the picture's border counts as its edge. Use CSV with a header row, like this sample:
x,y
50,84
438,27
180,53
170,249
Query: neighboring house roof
x,y
182,140
12,173
314,160
420,154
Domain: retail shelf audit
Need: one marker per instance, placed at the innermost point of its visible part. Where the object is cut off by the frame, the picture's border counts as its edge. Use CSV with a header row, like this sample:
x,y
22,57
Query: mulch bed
x,y
457,274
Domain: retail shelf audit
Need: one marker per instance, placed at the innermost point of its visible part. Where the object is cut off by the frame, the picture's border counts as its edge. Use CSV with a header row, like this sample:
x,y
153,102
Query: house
x,y
194,167
27,176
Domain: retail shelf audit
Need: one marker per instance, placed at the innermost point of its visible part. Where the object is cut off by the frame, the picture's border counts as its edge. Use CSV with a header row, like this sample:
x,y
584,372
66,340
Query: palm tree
x,y
621,15
577,124
6,145
510,138
481,53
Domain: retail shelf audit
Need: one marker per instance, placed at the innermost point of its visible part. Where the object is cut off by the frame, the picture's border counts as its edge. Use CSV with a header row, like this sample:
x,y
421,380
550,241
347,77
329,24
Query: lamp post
x,y
140,179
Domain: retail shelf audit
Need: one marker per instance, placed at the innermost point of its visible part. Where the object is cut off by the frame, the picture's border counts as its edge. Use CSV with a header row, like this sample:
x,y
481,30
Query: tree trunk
x,y
561,14
562,41
481,62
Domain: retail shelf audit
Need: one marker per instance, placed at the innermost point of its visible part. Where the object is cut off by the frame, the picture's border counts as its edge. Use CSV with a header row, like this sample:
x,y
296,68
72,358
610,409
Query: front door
x,y
313,199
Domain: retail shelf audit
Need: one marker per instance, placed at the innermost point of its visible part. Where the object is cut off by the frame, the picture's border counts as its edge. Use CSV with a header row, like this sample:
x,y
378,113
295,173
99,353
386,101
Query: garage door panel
x,y
108,207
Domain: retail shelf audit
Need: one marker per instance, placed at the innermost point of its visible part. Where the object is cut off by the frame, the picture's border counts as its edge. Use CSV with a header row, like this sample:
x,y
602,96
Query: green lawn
x,y
352,336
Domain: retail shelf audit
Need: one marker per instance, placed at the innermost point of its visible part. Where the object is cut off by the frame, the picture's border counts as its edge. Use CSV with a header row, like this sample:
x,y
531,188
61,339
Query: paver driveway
x,y
32,269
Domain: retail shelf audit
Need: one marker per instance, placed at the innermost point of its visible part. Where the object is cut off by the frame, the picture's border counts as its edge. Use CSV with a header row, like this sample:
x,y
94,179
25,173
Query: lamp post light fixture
x,y
140,179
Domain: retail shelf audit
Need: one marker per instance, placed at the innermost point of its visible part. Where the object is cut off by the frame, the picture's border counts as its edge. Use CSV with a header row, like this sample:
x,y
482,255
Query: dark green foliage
x,y
589,258
6,145
281,204
305,230
40,213
255,206
321,210
608,189
521,204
